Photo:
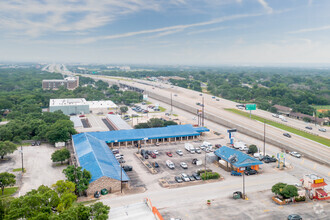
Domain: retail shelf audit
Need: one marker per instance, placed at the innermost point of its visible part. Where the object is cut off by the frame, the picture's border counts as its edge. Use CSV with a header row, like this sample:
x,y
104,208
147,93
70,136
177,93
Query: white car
x,y
275,115
322,129
179,152
155,152
118,156
198,151
244,148
184,165
185,177
295,154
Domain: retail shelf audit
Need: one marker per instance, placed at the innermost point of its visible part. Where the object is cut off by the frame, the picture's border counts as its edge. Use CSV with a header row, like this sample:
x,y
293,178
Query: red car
x,y
153,155
110,113
169,154
218,145
81,116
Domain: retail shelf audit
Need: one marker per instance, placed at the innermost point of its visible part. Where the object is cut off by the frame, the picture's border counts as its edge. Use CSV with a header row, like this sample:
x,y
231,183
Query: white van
x,y
189,147
206,144
170,164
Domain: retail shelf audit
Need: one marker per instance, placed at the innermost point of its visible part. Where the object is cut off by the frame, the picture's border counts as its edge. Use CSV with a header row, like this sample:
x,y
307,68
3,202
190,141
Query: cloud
x,y
327,27
170,29
266,6
206,30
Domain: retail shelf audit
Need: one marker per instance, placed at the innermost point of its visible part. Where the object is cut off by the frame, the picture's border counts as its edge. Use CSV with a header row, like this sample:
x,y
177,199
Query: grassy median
x,y
315,138
8,192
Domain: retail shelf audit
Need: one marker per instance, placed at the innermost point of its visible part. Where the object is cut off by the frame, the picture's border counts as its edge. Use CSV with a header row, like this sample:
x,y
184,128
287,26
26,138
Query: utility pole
x,y
121,177
202,111
264,137
243,185
22,158
171,105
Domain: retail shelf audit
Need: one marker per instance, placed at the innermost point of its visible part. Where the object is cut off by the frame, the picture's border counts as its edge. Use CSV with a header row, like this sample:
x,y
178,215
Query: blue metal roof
x,y
149,133
201,129
243,160
95,156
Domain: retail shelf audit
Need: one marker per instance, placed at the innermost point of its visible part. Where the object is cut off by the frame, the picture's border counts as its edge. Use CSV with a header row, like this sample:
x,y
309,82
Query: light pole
x,y
22,158
264,137
121,177
243,185
171,104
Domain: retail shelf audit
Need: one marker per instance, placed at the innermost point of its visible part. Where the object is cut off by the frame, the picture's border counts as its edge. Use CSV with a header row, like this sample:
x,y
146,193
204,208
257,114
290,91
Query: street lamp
x,y
264,137
21,151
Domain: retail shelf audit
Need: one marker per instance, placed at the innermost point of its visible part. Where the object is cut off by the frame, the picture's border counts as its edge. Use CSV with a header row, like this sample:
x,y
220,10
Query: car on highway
x,y
275,115
309,127
295,154
169,154
250,172
175,95
322,129
217,99
156,152
200,94
287,135
184,165
179,152
178,179
197,103
294,217
185,177
213,97
196,176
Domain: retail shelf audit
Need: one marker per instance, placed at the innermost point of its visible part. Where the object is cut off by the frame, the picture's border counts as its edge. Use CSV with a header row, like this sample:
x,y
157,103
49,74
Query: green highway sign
x,y
250,107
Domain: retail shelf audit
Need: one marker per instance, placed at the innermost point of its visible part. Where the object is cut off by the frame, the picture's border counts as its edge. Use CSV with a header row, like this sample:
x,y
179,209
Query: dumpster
x,y
237,195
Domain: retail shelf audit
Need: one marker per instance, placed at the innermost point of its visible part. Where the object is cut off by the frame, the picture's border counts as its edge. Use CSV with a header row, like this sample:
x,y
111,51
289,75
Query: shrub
x,y
199,172
210,175
300,198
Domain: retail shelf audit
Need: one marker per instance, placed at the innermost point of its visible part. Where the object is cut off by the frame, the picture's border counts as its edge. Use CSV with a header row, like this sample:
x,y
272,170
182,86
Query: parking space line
x,y
329,174
266,210
280,207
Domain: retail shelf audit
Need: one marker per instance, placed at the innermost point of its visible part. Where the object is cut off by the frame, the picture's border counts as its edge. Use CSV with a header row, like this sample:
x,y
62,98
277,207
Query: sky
x,y
175,32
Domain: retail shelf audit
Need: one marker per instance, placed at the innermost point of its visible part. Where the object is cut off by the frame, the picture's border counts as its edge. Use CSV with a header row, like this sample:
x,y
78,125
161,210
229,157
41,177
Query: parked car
x,y
155,152
81,116
127,168
179,152
250,172
170,164
198,150
184,165
295,154
235,173
322,129
157,144
185,177
196,176
153,155
155,164
217,146
169,154
121,160
309,127
115,151
191,178
178,179
104,191
194,161
268,159
287,135
294,217
118,156
217,99
97,194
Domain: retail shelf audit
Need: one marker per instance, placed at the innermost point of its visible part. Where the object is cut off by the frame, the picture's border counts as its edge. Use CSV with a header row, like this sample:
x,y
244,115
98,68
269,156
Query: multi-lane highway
x,y
162,91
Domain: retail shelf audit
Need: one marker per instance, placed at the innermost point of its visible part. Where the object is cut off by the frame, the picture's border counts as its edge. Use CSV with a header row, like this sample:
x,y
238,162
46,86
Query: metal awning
x,y
322,192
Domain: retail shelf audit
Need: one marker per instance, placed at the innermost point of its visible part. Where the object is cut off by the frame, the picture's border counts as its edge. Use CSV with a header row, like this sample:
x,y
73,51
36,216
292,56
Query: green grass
x,y
8,192
321,106
149,103
19,170
318,139
162,109
175,115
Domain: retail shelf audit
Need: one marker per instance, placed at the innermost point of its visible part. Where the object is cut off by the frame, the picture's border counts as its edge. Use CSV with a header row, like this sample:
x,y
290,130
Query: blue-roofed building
x,y
95,156
237,159
93,150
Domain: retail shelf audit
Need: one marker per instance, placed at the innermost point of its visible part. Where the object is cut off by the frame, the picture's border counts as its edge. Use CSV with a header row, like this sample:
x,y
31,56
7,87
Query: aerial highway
x,y
162,92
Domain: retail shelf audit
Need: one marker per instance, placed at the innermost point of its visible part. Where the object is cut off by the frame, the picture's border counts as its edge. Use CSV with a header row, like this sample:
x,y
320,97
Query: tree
x,y
7,147
306,119
60,131
60,155
99,211
289,191
6,179
64,186
123,109
278,188
79,177
167,123
253,149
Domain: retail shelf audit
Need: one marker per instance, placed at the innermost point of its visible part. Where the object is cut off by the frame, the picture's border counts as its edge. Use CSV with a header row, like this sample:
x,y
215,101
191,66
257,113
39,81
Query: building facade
x,y
70,83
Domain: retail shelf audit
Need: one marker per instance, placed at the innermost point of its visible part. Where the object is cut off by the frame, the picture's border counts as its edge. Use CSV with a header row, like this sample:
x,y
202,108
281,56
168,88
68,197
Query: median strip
x,y
304,134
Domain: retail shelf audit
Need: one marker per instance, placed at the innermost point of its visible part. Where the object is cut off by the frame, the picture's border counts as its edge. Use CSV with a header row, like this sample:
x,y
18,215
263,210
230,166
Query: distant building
x,y
301,116
54,84
283,109
81,106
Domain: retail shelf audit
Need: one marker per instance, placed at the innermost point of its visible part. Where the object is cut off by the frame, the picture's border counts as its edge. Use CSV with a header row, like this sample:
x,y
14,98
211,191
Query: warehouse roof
x,y
67,102
102,104
243,160
146,133
95,156
76,121
118,122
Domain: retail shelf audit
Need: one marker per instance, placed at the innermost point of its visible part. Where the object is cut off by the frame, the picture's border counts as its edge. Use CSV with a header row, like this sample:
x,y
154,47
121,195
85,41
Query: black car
x,y
127,168
268,159
97,194
196,176
194,161
178,179
294,217
309,127
192,178
287,135
250,172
